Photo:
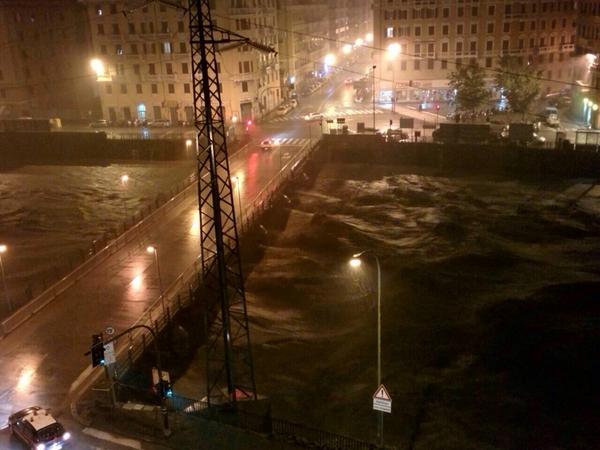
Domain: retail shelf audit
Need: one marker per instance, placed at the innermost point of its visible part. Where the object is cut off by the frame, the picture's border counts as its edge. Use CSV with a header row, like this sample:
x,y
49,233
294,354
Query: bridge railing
x,y
179,294
102,250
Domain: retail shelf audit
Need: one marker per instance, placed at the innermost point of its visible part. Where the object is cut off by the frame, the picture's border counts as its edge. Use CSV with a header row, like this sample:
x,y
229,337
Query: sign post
x,y
382,400
382,403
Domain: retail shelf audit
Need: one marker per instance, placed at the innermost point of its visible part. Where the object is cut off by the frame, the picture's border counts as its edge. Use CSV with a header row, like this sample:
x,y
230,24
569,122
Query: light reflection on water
x,y
49,214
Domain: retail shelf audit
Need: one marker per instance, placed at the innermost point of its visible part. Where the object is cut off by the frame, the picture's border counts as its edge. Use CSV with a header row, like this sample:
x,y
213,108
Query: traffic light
x,y
163,388
391,123
97,350
437,107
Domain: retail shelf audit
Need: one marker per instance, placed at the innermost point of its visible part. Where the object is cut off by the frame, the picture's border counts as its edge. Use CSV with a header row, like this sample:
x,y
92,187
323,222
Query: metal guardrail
x,y
179,294
100,252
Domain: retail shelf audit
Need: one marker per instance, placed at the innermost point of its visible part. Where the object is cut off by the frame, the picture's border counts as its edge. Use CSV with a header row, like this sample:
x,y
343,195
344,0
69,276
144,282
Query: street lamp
x,y
355,263
124,181
393,50
3,249
373,88
153,249
358,42
369,37
347,49
98,67
329,60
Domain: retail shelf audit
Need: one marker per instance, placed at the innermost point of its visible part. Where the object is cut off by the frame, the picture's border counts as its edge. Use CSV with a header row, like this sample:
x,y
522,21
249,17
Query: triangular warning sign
x,y
382,393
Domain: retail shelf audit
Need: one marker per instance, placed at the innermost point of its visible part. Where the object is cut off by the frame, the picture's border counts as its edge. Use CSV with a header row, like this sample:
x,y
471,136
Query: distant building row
x,y
141,57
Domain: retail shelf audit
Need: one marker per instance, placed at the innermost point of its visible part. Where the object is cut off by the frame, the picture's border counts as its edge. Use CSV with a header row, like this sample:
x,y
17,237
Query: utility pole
x,y
374,67
229,365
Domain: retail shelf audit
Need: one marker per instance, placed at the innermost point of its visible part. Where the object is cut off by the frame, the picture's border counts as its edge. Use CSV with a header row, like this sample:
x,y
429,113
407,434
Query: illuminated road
x,y
41,359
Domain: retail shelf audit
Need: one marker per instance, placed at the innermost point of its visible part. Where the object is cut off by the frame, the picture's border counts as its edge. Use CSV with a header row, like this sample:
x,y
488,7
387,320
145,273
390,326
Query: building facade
x,y
311,29
588,44
143,63
436,35
44,60
304,24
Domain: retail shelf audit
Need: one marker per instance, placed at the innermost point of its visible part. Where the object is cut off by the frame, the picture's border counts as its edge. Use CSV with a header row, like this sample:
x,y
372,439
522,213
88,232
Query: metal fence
x,y
180,293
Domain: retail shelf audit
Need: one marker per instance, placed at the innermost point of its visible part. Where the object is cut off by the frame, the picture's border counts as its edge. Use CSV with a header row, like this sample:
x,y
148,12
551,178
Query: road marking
x,y
104,436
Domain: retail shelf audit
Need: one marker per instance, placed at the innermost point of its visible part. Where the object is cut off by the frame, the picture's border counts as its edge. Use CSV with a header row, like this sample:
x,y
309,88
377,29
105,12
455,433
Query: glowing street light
x,y
3,249
124,179
369,37
329,59
393,50
347,49
292,79
356,263
358,42
98,67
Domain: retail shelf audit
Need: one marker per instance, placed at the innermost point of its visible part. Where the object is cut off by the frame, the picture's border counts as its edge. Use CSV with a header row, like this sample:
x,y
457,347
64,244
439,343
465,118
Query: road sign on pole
x,y
109,353
382,400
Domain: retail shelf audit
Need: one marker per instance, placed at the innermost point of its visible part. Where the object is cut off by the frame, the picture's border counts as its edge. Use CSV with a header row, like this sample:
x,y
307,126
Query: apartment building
x,y
588,44
436,35
303,26
310,29
43,60
142,57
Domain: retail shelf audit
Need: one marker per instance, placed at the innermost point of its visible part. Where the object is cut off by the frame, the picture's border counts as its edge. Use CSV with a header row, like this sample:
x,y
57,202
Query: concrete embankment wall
x,y
478,158
64,147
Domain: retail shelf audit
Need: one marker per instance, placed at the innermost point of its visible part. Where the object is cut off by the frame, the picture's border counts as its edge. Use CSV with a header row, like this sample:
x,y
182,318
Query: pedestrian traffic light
x,y
97,350
437,107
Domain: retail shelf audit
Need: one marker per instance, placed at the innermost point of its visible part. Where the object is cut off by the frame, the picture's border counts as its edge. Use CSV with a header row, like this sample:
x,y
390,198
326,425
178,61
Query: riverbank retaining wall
x,y
67,148
478,158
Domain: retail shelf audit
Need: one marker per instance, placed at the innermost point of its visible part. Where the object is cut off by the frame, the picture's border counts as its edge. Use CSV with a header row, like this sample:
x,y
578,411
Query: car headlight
x,y
66,436
40,447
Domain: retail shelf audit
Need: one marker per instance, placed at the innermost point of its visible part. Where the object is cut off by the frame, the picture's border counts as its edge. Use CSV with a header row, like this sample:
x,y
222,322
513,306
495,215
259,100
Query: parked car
x,y
159,123
37,429
268,144
313,116
102,123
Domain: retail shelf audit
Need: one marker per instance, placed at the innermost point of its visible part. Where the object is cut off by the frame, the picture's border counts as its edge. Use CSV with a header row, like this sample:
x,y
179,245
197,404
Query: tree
x,y
518,82
469,83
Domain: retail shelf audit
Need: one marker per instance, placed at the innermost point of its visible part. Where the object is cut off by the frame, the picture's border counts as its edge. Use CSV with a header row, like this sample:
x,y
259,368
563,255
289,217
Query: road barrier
x,y
180,293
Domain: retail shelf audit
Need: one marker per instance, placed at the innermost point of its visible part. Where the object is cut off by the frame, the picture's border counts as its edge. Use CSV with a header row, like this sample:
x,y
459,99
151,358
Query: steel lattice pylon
x,y
229,366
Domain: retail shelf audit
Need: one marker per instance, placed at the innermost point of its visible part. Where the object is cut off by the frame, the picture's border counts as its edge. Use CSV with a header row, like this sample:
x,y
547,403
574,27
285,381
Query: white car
x,y
282,110
160,123
313,116
268,144
37,429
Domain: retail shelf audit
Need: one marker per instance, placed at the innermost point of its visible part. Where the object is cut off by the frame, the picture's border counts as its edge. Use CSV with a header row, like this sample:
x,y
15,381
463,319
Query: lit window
x,y
389,32
166,47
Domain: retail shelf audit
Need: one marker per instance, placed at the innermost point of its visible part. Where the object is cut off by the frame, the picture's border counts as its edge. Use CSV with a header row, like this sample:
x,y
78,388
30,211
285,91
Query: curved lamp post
x,y
355,263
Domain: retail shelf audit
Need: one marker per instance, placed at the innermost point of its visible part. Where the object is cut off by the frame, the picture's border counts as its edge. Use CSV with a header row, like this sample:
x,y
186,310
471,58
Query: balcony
x,y
239,77
156,78
243,11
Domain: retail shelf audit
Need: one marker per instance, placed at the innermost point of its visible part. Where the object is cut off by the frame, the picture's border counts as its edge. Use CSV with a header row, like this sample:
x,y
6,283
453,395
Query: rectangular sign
x,y
109,354
407,122
382,405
